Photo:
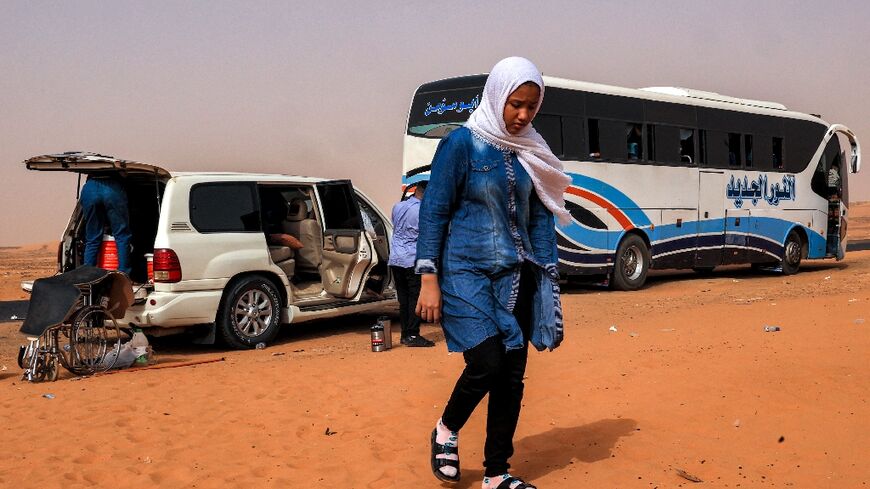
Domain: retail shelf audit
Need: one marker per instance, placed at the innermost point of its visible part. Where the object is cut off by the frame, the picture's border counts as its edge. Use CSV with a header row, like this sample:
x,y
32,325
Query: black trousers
x,y
490,369
408,291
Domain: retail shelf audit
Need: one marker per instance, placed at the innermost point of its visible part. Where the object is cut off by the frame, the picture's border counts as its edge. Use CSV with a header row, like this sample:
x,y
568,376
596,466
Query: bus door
x,y
711,215
736,236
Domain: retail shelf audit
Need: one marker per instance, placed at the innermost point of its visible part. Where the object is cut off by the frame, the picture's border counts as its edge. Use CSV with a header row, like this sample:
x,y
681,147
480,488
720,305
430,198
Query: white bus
x,y
669,177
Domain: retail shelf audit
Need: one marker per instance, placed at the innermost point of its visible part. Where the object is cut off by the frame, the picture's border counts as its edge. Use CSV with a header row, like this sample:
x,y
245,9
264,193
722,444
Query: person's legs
x,y
118,214
503,412
412,283
401,295
506,396
482,365
94,223
408,290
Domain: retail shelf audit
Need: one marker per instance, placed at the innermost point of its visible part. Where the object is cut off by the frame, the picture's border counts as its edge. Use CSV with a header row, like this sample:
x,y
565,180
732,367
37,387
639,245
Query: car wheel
x,y
632,264
792,254
250,313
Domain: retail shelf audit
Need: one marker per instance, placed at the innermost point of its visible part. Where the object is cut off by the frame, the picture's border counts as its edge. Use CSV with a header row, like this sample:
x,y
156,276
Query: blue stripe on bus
x,y
414,179
764,233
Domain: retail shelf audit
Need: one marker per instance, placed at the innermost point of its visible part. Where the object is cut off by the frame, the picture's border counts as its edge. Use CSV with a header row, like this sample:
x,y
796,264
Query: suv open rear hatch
x,y
80,162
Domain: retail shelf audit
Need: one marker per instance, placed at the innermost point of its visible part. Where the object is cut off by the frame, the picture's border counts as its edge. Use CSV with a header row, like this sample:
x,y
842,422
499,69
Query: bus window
x,y
435,114
634,141
687,146
733,149
747,148
573,138
702,147
777,154
822,183
650,142
611,140
667,144
594,145
762,153
550,128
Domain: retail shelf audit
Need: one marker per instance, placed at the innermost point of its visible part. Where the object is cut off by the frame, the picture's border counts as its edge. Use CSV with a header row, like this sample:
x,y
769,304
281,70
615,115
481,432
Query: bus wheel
x,y
792,253
632,264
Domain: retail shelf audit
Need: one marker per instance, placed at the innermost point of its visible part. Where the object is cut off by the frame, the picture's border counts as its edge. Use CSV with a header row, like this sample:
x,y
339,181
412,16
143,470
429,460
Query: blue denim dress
x,y
479,221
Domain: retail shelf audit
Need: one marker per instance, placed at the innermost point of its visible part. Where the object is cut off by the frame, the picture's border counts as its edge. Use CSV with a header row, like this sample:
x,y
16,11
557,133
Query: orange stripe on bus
x,y
620,217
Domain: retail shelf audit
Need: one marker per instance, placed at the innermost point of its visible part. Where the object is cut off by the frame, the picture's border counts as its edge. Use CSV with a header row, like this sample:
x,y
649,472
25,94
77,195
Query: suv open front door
x,y
348,253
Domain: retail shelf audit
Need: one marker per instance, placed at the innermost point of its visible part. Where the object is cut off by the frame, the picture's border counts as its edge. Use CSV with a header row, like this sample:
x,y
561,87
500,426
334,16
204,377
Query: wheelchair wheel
x,y
93,334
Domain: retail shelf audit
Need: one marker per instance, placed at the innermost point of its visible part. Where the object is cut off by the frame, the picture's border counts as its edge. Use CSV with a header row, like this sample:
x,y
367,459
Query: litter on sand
x,y
689,477
613,329
771,329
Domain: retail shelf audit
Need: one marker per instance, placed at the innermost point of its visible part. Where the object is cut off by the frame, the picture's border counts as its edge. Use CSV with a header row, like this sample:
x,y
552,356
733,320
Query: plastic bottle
x,y
139,343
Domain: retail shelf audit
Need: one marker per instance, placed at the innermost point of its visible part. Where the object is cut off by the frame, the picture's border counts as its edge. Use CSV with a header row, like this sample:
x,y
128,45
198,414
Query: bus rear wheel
x,y
793,252
632,264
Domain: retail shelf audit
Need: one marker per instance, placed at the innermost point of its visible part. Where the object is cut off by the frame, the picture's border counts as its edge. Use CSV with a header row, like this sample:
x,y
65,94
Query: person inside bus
x,y
487,256
634,140
834,181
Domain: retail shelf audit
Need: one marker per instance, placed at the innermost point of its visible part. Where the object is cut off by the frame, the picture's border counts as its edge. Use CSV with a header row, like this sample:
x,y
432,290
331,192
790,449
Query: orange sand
x,y
688,381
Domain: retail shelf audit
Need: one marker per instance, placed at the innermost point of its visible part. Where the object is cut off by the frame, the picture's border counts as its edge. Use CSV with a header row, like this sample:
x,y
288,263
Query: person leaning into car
x,y
403,254
104,202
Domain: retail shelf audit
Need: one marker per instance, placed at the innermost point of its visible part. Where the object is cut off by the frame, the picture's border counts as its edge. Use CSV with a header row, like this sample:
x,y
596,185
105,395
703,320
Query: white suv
x,y
214,270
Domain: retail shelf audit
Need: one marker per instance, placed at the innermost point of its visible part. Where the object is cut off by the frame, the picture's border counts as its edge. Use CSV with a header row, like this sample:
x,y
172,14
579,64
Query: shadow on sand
x,y
661,277
356,324
538,455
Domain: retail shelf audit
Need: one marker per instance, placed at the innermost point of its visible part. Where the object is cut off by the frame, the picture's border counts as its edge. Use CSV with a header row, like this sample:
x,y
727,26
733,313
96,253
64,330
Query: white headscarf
x,y
487,121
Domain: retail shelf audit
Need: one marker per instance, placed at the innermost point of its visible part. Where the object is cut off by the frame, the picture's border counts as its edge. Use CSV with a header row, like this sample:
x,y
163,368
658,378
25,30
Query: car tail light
x,y
167,268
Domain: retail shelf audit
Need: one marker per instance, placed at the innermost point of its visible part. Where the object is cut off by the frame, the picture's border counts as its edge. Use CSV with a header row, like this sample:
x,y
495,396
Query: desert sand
x,y
689,381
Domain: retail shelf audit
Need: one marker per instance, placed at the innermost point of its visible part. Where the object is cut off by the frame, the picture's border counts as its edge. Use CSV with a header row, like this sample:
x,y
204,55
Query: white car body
x,y
348,275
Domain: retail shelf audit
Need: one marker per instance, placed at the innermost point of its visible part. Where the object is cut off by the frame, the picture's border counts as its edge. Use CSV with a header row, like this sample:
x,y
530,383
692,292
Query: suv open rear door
x,y
79,162
348,252
92,163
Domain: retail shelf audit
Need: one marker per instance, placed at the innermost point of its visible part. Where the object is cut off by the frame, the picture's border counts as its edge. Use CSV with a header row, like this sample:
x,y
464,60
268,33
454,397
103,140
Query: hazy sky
x,y
323,88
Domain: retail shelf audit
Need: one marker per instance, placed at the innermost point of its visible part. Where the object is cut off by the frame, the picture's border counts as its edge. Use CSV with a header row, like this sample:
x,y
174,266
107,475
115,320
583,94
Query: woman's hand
x,y
429,302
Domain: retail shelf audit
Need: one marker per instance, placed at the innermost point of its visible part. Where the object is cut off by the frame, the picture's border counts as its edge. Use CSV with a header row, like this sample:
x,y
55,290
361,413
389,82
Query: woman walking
x,y
487,255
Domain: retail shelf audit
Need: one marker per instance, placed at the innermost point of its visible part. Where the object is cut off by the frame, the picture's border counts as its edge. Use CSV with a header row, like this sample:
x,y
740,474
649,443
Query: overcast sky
x,y
323,88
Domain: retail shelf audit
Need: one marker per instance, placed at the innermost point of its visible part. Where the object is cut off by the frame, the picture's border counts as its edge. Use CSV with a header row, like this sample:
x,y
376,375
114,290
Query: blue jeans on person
x,y
103,202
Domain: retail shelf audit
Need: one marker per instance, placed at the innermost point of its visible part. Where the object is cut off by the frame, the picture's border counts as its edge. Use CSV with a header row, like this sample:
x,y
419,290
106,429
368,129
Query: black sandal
x,y
437,463
506,484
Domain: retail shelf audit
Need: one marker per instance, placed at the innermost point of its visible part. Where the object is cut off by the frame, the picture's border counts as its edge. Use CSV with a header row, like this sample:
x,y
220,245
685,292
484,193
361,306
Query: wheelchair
x,y
72,322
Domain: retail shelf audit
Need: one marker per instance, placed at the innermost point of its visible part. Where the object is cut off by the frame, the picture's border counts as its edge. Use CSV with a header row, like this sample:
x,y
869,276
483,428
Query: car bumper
x,y
170,309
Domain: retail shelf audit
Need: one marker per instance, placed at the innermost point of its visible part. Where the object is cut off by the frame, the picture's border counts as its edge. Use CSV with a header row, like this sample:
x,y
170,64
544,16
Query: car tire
x,y
250,313
631,265
792,253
